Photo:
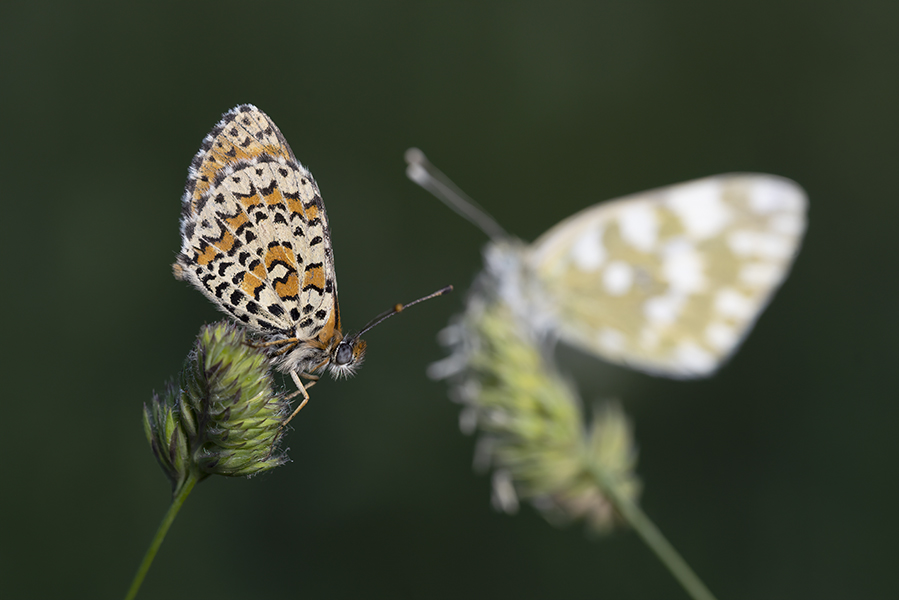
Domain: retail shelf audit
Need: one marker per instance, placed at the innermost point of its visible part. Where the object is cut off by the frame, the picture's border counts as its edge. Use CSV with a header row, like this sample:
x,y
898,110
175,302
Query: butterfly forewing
x,y
254,230
670,281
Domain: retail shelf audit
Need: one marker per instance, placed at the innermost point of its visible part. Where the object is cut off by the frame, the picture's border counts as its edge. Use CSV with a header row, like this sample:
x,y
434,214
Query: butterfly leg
x,y
301,389
291,341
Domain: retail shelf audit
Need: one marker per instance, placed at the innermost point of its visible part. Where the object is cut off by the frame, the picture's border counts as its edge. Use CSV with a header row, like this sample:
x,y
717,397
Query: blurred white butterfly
x,y
667,281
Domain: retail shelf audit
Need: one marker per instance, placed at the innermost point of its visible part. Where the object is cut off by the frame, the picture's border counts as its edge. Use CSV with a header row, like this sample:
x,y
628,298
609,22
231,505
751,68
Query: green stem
x,y
177,501
653,538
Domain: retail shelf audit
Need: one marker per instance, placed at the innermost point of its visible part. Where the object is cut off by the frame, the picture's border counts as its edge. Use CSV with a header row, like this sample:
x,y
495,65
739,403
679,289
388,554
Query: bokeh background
x,y
775,479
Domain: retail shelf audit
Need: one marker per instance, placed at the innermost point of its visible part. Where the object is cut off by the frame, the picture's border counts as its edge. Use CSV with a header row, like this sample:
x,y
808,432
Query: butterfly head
x,y
347,356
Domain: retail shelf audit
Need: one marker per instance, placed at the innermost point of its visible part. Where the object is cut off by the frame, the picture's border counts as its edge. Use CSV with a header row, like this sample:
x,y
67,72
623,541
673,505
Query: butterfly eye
x,y
344,354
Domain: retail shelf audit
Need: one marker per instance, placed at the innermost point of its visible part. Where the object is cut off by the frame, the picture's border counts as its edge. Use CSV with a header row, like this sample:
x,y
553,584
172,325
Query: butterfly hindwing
x,y
255,232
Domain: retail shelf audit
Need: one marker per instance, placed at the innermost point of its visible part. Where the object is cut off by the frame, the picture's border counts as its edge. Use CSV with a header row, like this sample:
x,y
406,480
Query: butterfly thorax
x,y
514,281
342,355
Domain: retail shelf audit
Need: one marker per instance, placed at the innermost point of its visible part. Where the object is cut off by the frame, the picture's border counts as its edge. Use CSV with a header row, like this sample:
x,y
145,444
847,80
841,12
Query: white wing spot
x,y
700,207
759,274
770,195
721,336
693,358
618,278
663,310
639,226
682,267
731,303
760,244
588,252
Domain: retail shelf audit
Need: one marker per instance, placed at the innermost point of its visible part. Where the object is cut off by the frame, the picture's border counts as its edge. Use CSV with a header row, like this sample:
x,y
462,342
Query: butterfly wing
x,y
670,281
254,230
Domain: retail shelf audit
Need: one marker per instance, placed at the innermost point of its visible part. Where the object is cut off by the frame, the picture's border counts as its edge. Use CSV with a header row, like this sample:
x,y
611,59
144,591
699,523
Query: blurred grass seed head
x,y
531,422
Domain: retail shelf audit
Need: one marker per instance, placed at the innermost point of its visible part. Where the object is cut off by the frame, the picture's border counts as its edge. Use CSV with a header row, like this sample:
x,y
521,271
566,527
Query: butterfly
x,y
668,281
256,242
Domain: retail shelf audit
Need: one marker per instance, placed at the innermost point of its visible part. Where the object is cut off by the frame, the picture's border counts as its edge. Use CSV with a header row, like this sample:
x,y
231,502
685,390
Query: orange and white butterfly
x,y
668,281
256,242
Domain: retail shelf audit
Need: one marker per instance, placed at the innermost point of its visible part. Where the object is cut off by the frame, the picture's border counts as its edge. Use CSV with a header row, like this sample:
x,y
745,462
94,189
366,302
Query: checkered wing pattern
x,y
670,281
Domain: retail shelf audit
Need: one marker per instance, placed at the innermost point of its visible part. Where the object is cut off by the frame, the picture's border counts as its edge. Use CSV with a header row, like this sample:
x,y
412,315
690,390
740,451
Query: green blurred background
x,y
775,479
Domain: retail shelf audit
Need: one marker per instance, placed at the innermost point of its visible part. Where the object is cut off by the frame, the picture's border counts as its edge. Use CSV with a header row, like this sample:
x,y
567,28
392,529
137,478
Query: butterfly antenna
x,y
422,172
400,308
